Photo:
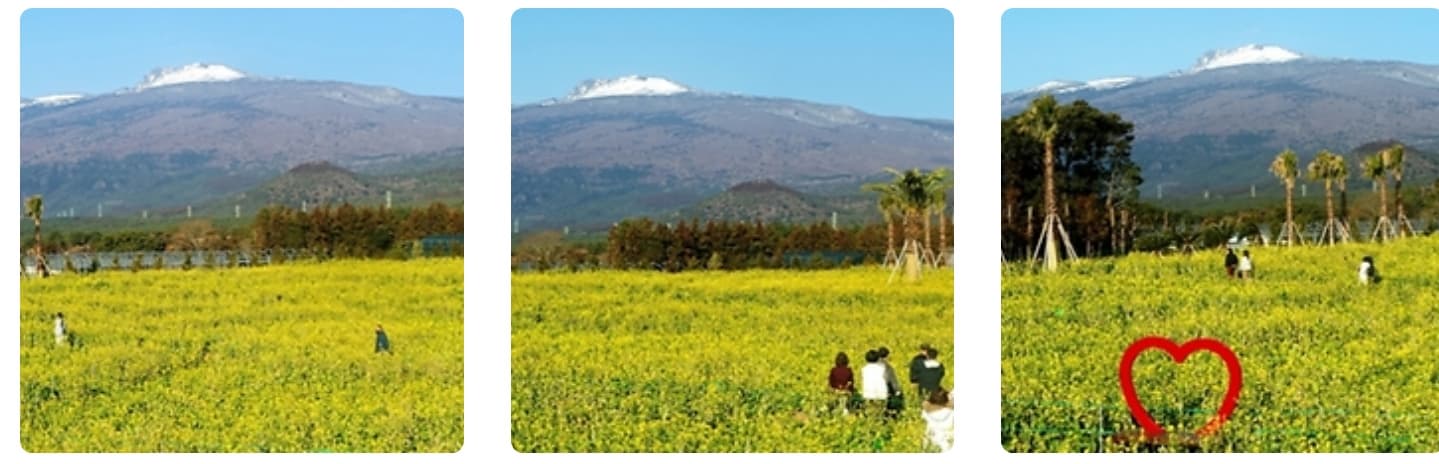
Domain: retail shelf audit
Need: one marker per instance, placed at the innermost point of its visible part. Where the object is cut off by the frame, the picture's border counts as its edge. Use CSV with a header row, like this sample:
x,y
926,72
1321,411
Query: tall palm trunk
x,y
1329,207
40,264
943,237
911,239
1399,196
1344,202
1383,198
1289,226
1051,210
928,244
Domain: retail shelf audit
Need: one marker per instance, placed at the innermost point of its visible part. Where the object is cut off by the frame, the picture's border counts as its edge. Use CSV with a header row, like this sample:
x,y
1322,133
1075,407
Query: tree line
x,y
642,243
323,231
349,231
909,204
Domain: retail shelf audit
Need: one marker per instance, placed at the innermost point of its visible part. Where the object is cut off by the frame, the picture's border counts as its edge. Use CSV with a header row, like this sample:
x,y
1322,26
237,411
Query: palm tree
x,y
936,188
946,184
35,210
887,202
909,199
1376,170
1286,168
1341,167
1394,161
1041,121
1329,168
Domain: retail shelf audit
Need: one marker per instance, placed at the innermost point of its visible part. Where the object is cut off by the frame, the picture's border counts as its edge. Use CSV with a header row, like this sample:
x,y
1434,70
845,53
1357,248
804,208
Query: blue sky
x,y
94,51
888,62
1068,44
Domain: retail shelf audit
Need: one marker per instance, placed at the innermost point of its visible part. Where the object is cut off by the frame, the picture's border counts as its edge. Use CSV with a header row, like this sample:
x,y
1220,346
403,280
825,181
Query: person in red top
x,y
841,381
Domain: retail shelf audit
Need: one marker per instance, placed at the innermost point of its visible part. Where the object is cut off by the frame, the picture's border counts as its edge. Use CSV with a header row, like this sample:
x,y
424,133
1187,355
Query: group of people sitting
x,y
879,390
1243,268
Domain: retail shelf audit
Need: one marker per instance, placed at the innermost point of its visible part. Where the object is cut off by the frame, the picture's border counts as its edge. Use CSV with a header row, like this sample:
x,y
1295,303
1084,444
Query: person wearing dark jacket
x,y
382,342
916,365
931,373
1231,262
841,382
891,380
841,377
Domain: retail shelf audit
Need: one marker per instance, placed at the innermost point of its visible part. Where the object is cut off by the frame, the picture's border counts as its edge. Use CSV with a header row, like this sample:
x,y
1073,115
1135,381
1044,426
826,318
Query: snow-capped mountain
x,y
1214,59
1216,124
633,85
51,100
194,72
1248,54
652,146
199,132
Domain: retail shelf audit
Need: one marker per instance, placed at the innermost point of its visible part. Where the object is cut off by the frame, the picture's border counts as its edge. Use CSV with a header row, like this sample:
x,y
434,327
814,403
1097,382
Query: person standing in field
x,y
382,342
930,373
938,413
60,330
1368,274
873,381
915,366
841,381
1231,262
1246,267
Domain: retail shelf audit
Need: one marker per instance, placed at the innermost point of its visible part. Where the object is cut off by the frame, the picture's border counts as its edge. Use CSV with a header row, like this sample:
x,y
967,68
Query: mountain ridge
x,y
1219,128
591,162
208,135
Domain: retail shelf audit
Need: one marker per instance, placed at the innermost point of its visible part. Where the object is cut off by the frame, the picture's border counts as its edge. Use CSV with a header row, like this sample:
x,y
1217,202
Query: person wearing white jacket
x,y
938,413
873,385
1368,274
60,335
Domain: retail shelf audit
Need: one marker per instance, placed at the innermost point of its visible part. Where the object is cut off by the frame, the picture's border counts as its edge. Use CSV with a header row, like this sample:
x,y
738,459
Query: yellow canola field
x,y
618,361
1328,365
277,359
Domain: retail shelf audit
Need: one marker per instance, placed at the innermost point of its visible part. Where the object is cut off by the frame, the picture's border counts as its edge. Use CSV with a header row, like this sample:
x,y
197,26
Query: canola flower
x,y
268,359
1328,365
615,361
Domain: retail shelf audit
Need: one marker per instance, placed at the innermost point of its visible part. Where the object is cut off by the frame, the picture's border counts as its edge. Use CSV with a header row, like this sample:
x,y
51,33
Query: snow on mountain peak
x,y
626,86
1248,54
194,72
1110,82
52,100
1058,87
1054,86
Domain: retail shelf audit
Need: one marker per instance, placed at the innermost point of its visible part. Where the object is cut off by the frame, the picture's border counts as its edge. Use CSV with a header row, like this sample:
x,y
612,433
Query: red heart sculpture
x,y
1179,353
